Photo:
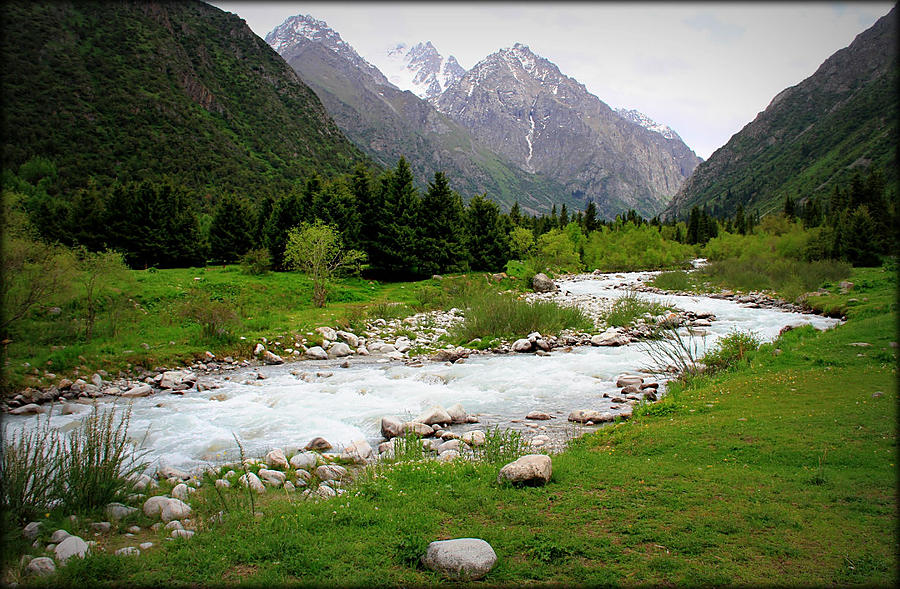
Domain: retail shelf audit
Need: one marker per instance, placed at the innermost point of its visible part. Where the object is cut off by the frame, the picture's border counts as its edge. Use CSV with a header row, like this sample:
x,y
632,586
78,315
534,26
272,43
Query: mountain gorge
x,y
521,105
812,136
387,123
142,90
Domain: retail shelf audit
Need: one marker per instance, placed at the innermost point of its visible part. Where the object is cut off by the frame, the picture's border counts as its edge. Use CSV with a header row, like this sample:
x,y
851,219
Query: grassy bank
x,y
781,471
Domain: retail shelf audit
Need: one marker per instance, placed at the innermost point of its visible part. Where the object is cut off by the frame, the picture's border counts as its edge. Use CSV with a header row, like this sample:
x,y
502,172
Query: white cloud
x,y
704,69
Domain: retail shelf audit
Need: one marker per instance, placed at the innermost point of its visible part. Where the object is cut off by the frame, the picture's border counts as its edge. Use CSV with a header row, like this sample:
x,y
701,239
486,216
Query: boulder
x,y
391,427
259,349
29,409
542,283
327,333
359,452
457,413
626,379
58,536
586,415
71,546
304,460
186,534
174,509
325,492
142,390
117,511
270,358
318,443
610,337
276,458
539,416
252,481
448,445
275,478
446,356
448,455
174,525
522,345
316,353
142,482
339,350
531,469
461,558
180,491
331,472
433,415
42,565
419,429
171,379
166,472
222,484
32,530
351,339
153,505
474,438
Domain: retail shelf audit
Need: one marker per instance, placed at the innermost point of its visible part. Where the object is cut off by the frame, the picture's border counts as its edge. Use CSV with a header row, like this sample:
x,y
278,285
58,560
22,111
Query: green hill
x,y
811,137
134,91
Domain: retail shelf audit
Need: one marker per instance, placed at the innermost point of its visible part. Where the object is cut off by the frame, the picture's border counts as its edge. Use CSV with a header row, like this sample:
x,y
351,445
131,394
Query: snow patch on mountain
x,y
639,118
421,69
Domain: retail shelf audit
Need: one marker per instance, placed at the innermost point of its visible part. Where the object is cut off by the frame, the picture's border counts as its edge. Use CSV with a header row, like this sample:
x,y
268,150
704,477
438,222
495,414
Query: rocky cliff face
x,y
386,122
811,136
521,106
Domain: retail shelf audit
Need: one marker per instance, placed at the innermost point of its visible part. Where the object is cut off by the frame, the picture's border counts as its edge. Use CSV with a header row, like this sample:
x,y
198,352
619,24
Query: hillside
x,y
386,122
811,136
144,89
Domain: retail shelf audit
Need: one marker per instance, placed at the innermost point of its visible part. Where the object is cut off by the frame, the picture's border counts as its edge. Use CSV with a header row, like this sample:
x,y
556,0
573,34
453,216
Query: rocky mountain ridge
x,y
422,70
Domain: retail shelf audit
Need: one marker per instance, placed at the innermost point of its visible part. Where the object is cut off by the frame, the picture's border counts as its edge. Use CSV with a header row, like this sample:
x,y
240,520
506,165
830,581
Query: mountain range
x,y
812,136
513,126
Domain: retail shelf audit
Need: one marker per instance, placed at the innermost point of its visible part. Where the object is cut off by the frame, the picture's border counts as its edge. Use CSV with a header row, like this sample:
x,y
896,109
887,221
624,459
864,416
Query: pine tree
x,y
740,223
515,215
399,243
563,216
288,212
693,228
335,205
590,217
442,229
231,230
486,236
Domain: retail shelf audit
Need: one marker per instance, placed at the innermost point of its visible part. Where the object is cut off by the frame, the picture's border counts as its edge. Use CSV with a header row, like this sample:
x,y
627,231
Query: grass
x,y
626,310
791,278
677,280
782,470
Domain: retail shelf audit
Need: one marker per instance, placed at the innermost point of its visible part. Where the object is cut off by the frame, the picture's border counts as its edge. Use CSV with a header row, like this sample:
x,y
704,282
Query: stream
x,y
346,404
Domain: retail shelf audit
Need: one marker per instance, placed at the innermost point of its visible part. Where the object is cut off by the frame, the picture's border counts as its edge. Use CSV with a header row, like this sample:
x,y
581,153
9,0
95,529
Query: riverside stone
x,y
419,429
41,566
433,415
531,469
29,409
174,509
327,333
153,505
351,339
272,358
539,416
542,283
128,551
391,427
180,491
71,546
58,536
276,458
304,460
318,443
316,353
331,472
186,534
339,350
275,478
143,390
457,413
118,511
627,379
592,415
474,438
32,530
461,558
252,481
359,451
522,345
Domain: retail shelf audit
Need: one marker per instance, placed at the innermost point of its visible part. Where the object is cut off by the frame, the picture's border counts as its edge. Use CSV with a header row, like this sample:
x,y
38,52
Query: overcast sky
x,y
704,69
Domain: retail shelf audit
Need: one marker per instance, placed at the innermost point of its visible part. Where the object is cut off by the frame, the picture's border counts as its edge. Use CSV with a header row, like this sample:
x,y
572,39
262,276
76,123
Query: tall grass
x,y
674,280
627,309
674,353
501,446
731,350
788,277
89,468
492,315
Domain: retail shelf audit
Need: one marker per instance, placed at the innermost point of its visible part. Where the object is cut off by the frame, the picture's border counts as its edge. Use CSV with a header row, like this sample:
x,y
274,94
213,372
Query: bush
x,y
731,350
28,471
215,318
256,262
674,280
501,446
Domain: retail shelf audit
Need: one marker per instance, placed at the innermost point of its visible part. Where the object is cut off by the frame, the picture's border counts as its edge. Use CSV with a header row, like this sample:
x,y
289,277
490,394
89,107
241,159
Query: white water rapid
x,y
285,411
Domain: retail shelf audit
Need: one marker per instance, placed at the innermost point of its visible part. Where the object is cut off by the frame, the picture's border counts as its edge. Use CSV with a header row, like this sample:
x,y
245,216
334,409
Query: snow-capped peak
x,y
639,118
421,69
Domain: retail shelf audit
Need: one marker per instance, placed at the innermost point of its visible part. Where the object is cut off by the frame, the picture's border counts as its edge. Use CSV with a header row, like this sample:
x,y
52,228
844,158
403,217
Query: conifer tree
x,y
515,214
231,230
335,205
399,242
563,216
442,229
287,213
487,238
590,217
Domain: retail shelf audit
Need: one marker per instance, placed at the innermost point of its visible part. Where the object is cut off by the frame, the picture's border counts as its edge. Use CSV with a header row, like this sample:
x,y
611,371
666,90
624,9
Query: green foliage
x,y
675,280
487,240
627,309
556,251
521,242
731,350
30,468
231,230
217,319
317,250
256,262
442,230
633,247
408,448
501,446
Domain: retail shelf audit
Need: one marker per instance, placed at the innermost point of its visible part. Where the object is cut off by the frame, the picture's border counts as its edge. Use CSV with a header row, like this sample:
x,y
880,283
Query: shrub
x,y
627,309
674,353
731,349
256,262
215,318
97,461
28,470
674,280
501,446
408,448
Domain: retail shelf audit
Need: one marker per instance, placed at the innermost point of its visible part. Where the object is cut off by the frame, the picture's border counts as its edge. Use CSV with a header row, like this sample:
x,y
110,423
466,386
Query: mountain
x,y
135,90
521,106
639,118
811,136
422,70
386,122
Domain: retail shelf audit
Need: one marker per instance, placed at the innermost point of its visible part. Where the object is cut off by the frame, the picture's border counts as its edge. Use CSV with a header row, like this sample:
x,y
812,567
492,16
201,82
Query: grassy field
x,y
780,471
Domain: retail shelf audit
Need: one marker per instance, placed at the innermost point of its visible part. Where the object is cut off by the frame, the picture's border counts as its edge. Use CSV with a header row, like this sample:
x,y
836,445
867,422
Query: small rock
x,y
625,380
29,409
276,458
304,460
31,530
145,545
252,481
316,353
318,443
59,535
391,427
71,546
270,358
174,509
522,345
433,415
539,416
134,530
174,525
474,438
457,413
331,472
461,558
153,505
542,283
419,429
41,566
128,551
275,478
180,491
186,534
101,527
118,511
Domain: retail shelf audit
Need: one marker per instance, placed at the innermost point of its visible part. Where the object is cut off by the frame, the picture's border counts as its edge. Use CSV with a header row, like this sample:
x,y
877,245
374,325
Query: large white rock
x,y
171,379
128,551
474,438
272,358
462,558
118,511
522,345
174,509
273,477
276,458
142,390
153,505
71,546
586,415
531,469
610,337
359,451
419,429
327,333
433,415
186,534
58,536
316,353
29,409
251,480
31,530
627,379
180,491
42,565
351,338
304,460
457,413
391,427
165,472
339,350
